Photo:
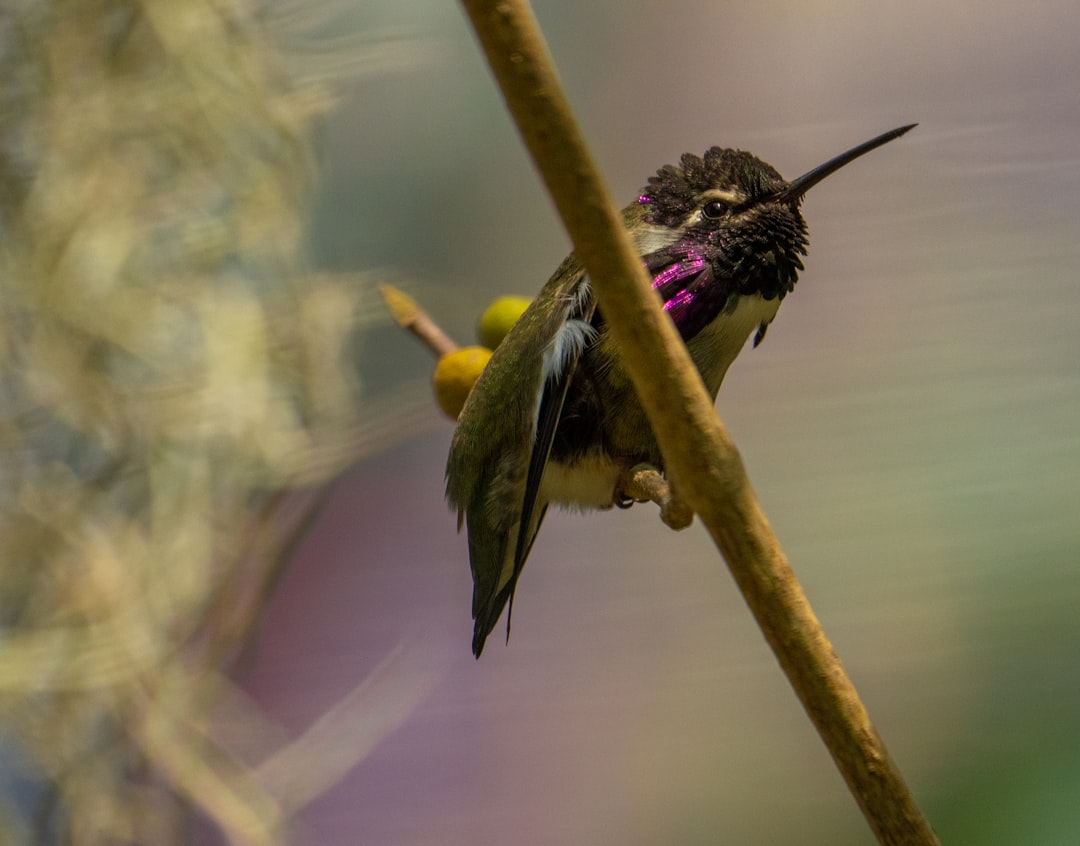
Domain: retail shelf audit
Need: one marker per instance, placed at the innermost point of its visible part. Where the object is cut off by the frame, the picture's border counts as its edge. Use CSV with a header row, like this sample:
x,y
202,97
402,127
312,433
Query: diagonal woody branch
x,y
698,452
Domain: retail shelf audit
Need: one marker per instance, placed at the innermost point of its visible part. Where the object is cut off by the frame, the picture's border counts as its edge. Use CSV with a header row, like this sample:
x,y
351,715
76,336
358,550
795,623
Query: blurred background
x,y
911,425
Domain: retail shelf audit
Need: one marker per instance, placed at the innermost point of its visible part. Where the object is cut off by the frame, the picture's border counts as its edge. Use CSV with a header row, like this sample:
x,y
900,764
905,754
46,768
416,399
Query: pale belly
x,y
589,483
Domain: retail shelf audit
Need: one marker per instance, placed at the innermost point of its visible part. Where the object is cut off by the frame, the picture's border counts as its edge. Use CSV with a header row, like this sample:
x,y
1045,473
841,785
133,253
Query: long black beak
x,y
794,190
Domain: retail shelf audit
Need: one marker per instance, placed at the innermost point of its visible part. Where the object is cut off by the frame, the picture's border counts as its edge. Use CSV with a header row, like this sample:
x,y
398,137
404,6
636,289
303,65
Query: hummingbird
x,y
553,417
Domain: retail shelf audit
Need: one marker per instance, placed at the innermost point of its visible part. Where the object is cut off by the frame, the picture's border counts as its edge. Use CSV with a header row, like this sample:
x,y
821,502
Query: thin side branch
x,y
699,454
409,316
644,483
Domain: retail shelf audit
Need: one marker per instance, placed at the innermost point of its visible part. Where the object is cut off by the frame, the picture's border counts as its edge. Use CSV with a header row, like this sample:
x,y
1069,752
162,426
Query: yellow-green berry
x,y
498,318
455,374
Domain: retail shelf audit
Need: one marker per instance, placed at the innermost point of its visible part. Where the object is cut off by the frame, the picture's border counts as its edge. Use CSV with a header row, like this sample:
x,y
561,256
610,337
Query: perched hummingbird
x,y
554,418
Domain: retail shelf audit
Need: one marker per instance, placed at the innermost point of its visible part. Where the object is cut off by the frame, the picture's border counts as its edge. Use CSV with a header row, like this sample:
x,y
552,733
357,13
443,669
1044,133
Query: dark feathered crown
x,y
673,192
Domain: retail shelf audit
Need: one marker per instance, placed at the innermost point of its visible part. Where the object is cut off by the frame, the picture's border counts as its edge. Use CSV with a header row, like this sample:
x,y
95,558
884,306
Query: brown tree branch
x,y
409,316
699,454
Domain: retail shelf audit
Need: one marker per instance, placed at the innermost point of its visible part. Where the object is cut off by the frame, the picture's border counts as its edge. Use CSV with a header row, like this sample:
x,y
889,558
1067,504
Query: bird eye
x,y
714,209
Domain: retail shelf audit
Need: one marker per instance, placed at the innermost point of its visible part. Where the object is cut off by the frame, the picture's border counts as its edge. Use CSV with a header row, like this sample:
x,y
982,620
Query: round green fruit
x,y
498,318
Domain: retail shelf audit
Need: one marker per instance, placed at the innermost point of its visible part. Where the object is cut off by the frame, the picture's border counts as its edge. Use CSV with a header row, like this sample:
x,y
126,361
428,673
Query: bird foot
x,y
644,483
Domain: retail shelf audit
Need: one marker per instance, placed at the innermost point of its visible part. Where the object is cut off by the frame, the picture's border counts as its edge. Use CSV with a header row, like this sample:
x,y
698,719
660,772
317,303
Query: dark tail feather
x,y
489,616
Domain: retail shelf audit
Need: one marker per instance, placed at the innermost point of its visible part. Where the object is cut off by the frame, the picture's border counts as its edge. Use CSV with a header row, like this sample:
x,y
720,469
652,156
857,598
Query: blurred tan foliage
x,y
169,373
